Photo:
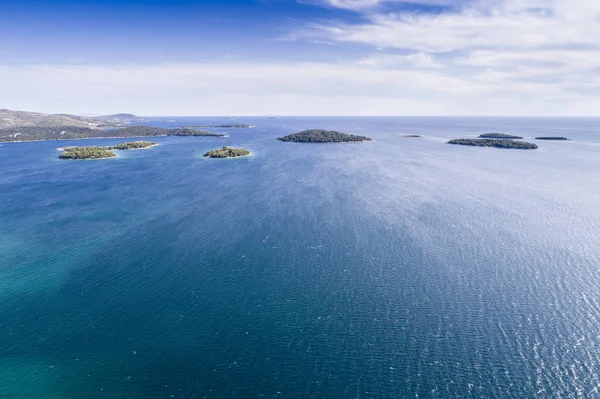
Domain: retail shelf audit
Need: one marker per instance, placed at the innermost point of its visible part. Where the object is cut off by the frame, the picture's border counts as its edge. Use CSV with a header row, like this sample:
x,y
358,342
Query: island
x,y
506,143
551,138
185,131
87,153
499,136
227,152
411,136
230,125
133,145
322,136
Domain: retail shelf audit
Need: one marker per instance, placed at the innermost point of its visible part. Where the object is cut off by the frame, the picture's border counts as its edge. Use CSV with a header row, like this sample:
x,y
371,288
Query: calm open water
x,y
392,269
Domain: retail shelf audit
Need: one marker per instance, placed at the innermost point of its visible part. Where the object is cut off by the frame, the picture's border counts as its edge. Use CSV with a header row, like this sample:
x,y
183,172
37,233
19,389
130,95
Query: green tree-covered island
x,y
87,153
499,136
322,136
99,152
227,152
551,138
505,143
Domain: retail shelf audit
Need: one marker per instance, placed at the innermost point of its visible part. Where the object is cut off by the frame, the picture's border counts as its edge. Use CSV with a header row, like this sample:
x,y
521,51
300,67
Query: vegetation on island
x,y
551,138
227,152
506,143
499,136
322,136
36,133
87,153
133,145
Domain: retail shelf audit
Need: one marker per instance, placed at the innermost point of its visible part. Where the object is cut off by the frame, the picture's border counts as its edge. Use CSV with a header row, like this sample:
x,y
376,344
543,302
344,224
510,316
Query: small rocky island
x,y
322,136
551,138
227,152
504,143
499,136
87,153
410,136
98,152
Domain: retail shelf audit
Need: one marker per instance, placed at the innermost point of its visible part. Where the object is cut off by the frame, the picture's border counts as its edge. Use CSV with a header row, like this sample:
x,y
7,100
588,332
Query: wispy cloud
x,y
362,5
545,48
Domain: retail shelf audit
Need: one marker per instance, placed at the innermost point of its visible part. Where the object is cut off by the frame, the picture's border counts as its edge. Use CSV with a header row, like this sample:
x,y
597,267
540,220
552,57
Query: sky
x,y
301,57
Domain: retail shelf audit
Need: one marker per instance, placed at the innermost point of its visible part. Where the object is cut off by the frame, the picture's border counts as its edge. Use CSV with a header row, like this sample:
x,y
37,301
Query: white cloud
x,y
521,24
418,60
361,5
283,88
547,50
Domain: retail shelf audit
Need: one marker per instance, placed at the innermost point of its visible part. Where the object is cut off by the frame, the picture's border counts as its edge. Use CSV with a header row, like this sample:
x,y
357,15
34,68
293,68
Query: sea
x,y
397,268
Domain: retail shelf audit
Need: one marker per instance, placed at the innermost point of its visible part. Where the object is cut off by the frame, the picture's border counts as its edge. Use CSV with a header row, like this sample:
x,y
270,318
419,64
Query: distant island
x,y
227,152
322,136
499,136
102,152
36,133
185,131
411,136
133,145
551,138
230,125
506,143
87,153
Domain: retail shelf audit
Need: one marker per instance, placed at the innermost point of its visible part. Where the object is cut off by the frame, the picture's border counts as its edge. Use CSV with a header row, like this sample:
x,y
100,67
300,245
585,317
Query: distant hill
x,y
11,119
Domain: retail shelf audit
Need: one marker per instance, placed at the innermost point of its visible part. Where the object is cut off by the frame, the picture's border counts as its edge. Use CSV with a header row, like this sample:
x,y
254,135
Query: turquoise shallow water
x,y
391,269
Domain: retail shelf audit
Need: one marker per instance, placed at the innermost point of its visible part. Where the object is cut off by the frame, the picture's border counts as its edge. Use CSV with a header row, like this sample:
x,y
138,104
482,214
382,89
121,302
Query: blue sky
x,y
67,31
326,57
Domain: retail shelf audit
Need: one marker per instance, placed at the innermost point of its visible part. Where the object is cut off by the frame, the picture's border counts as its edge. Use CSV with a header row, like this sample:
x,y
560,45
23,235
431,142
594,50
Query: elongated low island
x,y
227,152
322,136
133,145
552,138
505,143
229,125
186,131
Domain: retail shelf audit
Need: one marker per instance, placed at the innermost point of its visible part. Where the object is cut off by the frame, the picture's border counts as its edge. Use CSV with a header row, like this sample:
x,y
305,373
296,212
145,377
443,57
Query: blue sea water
x,y
392,269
